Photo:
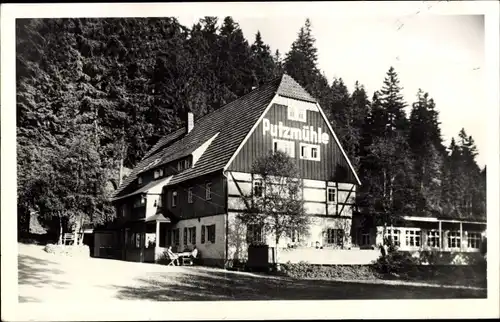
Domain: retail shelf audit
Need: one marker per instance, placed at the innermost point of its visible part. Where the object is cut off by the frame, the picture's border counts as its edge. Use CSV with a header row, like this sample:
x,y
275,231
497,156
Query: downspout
x,y
226,257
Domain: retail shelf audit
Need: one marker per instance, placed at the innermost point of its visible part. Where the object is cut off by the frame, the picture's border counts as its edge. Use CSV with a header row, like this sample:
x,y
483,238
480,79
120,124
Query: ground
x,y
47,277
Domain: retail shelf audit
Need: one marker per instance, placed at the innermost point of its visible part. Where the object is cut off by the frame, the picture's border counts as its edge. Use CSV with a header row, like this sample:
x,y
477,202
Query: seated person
x,y
174,257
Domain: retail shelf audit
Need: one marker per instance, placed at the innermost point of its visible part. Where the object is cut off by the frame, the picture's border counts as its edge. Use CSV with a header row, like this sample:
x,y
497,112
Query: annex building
x,y
187,191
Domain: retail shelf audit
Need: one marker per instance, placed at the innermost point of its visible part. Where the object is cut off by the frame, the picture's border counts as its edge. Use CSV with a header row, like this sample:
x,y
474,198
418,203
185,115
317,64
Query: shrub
x,y
395,262
68,250
346,272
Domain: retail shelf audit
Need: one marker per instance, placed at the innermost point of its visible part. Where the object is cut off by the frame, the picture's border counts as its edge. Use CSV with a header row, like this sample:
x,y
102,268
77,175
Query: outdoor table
x,y
183,255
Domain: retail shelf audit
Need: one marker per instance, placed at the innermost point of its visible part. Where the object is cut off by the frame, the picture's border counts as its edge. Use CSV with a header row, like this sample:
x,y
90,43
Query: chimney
x,y
190,122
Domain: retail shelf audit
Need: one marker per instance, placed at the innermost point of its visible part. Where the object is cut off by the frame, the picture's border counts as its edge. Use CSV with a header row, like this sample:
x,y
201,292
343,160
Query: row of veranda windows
x,y
413,238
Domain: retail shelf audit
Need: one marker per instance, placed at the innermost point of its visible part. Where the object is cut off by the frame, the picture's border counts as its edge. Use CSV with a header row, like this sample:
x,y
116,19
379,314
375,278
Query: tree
x,y
263,64
425,143
278,208
387,167
301,61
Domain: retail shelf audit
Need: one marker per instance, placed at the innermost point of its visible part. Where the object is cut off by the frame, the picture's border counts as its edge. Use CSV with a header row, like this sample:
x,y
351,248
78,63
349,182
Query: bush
x,y
68,250
395,262
347,272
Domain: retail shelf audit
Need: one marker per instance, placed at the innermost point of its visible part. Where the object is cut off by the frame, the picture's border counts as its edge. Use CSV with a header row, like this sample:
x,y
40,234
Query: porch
x,y
146,240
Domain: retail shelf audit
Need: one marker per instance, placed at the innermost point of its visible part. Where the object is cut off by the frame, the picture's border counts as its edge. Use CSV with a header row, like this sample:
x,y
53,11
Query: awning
x,y
153,187
158,217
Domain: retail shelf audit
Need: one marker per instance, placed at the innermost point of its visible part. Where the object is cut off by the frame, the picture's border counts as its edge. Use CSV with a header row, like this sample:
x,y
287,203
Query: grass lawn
x,y
45,277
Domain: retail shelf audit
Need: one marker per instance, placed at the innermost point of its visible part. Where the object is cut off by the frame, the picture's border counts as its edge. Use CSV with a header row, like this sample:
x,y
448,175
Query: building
x,y
187,190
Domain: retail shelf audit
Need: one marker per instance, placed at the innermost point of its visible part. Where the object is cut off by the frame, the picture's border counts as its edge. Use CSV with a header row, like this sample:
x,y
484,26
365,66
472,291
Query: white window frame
x,y
477,237
454,235
289,144
395,234
297,113
328,189
174,199
254,186
208,191
190,195
433,235
332,236
307,148
416,233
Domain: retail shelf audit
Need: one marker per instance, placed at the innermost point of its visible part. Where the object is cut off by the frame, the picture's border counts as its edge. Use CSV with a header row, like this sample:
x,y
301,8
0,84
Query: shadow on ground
x,y
37,272
221,285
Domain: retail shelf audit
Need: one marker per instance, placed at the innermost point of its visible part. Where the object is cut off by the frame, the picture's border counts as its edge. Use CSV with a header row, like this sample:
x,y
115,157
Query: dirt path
x,y
45,277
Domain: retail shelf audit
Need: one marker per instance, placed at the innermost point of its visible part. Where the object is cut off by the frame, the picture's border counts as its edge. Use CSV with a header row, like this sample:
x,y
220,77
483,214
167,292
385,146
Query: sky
x,y
442,55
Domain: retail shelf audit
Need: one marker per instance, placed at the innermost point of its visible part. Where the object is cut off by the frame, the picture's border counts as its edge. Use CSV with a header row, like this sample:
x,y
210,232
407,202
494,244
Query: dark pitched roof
x,y
232,123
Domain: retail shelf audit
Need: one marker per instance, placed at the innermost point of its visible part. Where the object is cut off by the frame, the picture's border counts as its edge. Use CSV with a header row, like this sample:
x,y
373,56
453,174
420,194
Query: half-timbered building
x,y
187,191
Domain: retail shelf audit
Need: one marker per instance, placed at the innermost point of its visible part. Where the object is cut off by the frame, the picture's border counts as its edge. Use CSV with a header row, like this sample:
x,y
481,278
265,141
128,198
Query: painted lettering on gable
x,y
306,133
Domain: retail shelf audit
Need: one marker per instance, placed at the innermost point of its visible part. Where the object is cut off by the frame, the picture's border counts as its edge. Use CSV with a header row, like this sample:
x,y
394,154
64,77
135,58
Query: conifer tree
x,y
263,64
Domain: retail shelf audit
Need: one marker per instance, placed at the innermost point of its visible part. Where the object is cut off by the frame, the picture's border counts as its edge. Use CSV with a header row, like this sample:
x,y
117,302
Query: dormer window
x,y
158,173
183,164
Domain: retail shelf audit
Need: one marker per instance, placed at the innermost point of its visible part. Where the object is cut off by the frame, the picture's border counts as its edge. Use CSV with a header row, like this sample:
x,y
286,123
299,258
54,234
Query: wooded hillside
x,y
95,93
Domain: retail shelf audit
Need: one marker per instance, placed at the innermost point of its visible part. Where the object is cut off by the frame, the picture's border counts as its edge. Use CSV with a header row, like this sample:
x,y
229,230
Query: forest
x,y
94,95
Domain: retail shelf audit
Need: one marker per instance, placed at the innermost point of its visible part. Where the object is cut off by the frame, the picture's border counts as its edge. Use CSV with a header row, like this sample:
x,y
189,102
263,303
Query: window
x,y
309,152
296,113
364,236
412,238
179,166
135,240
139,180
433,239
393,235
335,236
203,234
176,236
211,233
473,240
122,210
294,236
192,235
454,239
331,194
158,173
254,234
190,195
257,188
187,164
138,240
185,236
139,202
174,198
208,191
285,146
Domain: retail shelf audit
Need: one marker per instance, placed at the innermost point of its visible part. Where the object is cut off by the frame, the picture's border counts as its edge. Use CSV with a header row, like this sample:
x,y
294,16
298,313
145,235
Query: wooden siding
x,y
200,207
333,166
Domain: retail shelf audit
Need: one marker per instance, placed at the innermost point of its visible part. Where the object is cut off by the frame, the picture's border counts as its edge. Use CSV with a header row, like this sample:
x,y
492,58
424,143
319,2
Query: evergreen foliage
x,y
96,93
